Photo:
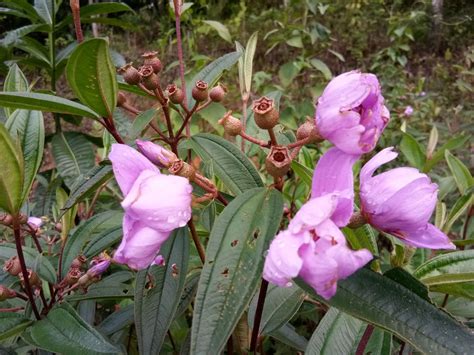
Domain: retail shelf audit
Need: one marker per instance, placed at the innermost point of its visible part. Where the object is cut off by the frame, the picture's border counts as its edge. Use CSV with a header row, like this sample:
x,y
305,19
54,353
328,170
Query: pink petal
x,y
333,174
127,164
155,153
140,244
283,262
161,202
349,261
427,237
35,222
382,157
313,212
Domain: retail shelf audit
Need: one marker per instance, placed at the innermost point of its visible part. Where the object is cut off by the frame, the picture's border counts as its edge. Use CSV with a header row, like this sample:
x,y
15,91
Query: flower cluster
x,y
351,115
155,204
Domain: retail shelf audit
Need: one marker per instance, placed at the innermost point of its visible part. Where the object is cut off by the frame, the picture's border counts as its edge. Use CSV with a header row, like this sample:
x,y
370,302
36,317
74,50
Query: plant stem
x,y
179,44
254,140
24,271
197,242
258,315
245,100
15,309
272,137
365,339
76,15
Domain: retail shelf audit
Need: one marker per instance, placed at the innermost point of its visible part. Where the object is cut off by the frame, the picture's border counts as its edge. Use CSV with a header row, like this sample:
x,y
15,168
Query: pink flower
x,y
408,111
154,204
35,222
314,249
351,112
401,202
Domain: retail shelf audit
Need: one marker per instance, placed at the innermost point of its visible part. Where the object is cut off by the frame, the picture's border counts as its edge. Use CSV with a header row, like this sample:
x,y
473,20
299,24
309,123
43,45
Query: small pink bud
x,y
6,219
156,153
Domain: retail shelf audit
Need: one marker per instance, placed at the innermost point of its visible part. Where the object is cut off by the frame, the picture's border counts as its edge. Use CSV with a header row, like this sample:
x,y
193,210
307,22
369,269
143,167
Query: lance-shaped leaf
x,y
233,268
91,75
460,172
11,174
14,82
28,127
12,324
64,331
211,73
229,163
45,102
389,305
155,307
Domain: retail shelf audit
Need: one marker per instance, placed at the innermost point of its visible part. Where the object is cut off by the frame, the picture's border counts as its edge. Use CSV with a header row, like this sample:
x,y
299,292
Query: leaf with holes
x,y
155,307
92,77
233,268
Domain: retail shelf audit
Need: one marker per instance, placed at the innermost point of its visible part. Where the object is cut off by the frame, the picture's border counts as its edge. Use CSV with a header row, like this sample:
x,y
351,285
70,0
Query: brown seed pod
x,y
265,114
150,58
218,93
12,266
232,125
278,161
200,92
183,169
149,79
175,94
308,130
130,74
6,293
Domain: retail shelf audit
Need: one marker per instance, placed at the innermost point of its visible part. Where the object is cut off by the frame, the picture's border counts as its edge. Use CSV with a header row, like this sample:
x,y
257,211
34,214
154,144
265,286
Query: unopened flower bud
x,y
6,219
308,130
35,222
59,227
78,262
150,58
130,74
22,219
183,169
6,293
85,280
149,78
232,125
99,268
199,91
357,220
32,278
12,266
265,114
175,94
73,276
155,153
121,99
217,93
278,161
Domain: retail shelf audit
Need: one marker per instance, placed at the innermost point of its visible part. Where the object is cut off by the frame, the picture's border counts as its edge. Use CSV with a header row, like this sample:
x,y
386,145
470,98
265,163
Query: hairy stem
x,y
254,140
197,242
258,315
273,139
24,271
76,15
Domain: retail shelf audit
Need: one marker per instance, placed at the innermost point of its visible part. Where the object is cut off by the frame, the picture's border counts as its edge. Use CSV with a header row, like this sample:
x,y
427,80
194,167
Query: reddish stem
x,y
365,339
76,15
258,315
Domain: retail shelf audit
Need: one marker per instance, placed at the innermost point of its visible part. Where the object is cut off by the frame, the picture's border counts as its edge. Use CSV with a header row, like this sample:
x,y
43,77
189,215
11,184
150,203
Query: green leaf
x,y
412,151
45,102
86,232
450,263
35,49
452,144
35,261
211,73
28,127
234,262
117,321
404,278
141,122
104,8
221,29
461,205
378,300
12,324
17,34
87,184
73,154
363,237
303,172
44,8
288,73
460,172
91,75
248,60
64,331
14,82
155,307
322,67
281,304
240,49
337,333
288,335
103,240
11,174
229,163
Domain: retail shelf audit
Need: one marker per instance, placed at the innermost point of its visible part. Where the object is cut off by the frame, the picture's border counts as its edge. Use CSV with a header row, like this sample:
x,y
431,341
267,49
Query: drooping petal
x,y
319,271
349,261
127,164
333,175
427,237
382,157
313,212
140,244
283,262
161,202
